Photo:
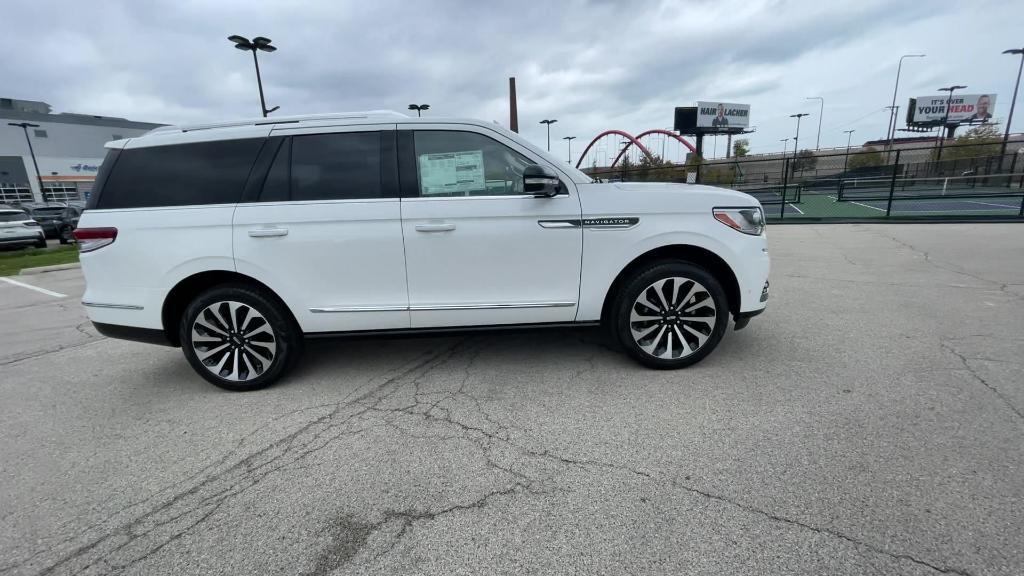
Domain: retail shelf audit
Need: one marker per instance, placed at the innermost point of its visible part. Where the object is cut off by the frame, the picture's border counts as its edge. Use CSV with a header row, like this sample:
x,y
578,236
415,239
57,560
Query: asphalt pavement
x,y
870,422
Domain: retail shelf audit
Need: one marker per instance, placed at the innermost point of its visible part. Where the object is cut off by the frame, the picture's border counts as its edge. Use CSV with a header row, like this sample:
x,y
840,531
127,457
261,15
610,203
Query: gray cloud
x,y
593,65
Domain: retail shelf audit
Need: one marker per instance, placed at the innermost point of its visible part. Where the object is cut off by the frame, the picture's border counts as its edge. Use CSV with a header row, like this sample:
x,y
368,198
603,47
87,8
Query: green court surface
x,y
824,206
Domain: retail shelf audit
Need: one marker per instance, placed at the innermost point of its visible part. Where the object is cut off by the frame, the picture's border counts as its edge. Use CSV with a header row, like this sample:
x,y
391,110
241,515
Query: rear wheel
x,y
41,243
671,315
239,337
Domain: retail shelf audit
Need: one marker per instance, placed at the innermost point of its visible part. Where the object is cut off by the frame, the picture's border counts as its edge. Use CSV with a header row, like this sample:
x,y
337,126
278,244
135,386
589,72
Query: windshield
x,y
12,216
54,211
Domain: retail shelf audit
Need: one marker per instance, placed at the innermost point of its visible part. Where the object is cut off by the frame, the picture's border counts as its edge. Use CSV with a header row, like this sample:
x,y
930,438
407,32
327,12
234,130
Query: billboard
x,y
962,108
723,115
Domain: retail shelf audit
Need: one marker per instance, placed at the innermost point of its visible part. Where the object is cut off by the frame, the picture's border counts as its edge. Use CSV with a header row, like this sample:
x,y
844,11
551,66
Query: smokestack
x,y
513,111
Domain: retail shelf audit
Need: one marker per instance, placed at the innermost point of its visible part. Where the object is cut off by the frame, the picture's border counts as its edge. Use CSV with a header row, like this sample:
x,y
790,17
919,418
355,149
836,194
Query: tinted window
x,y
467,164
335,166
12,216
179,175
275,187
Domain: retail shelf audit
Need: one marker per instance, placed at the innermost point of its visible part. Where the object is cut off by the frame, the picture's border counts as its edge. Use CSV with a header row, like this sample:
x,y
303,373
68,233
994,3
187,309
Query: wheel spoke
x,y
659,289
710,320
204,355
686,345
668,344
641,334
197,337
698,303
265,328
228,326
262,358
202,322
701,337
245,320
654,343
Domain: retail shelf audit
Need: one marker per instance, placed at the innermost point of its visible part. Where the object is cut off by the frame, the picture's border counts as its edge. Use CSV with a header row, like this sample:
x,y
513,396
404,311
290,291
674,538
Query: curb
x,y
54,268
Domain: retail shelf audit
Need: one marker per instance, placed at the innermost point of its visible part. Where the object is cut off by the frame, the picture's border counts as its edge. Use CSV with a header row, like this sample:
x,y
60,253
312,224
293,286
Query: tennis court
x,y
982,195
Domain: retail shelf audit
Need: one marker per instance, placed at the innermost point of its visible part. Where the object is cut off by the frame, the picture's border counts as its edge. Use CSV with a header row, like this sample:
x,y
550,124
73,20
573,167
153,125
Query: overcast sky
x,y
593,65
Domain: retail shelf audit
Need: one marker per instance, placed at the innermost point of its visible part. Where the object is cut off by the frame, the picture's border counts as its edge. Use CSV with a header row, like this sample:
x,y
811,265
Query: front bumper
x,y
743,318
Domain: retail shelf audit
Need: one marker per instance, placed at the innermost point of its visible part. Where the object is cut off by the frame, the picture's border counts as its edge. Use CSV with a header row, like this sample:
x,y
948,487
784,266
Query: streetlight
x,y
549,123
569,140
945,117
796,139
419,108
821,112
785,145
891,131
25,126
849,134
257,43
1013,102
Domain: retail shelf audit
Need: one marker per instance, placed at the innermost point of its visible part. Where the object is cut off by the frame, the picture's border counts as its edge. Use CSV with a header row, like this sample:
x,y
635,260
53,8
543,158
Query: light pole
x,y
1013,101
568,140
549,123
25,126
785,146
945,117
419,108
796,139
891,131
849,134
821,112
257,43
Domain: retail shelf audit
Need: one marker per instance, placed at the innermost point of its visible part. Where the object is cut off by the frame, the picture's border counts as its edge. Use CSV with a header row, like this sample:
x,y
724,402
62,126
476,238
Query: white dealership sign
x,y
722,115
962,108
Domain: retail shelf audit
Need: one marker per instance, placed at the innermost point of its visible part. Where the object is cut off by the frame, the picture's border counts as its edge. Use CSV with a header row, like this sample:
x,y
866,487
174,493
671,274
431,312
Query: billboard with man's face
x,y
723,115
962,108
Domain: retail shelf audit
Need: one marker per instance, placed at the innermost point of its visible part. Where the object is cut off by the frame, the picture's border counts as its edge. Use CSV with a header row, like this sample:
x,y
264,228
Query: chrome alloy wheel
x,y
234,341
672,318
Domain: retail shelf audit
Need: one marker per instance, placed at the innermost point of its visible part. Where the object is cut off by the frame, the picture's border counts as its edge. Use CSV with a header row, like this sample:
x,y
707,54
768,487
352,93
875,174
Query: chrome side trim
x,y
114,306
421,307
492,306
559,223
332,309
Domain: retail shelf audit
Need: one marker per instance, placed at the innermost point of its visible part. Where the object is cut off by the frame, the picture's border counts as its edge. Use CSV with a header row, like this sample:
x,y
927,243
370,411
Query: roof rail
x,y
281,120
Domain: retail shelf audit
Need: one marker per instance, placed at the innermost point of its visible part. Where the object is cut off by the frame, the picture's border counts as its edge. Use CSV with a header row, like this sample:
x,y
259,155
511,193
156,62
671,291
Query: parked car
x,y
236,241
18,230
69,221
48,215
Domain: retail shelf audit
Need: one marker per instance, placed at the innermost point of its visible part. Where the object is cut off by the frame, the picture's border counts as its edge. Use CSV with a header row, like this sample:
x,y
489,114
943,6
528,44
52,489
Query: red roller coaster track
x,y
633,140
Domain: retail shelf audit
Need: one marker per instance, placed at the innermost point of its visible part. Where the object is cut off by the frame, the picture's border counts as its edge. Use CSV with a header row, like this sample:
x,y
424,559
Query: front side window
x,y
451,163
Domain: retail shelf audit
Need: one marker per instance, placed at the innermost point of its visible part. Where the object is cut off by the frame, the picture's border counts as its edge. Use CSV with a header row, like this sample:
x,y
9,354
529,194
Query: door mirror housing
x,y
541,181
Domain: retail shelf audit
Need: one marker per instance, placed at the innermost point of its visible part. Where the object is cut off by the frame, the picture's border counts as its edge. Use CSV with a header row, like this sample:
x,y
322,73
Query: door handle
x,y
435,227
268,232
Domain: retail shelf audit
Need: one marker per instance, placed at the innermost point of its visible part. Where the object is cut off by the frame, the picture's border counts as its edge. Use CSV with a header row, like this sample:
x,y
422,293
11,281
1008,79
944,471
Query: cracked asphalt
x,y
870,422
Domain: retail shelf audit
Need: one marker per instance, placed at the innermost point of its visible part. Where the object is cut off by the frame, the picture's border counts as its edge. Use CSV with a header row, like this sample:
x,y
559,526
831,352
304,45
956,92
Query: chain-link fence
x,y
955,183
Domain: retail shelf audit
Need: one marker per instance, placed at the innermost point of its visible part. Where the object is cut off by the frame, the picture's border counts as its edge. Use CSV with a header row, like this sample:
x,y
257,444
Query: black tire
x,y
64,235
284,345
668,331
41,243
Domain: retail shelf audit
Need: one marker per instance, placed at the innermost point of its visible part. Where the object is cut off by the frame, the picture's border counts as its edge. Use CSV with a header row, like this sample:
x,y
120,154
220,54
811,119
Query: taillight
x,y
31,223
90,239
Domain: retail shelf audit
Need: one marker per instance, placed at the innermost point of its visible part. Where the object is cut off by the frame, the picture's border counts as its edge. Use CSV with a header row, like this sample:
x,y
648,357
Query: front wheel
x,y
671,315
239,337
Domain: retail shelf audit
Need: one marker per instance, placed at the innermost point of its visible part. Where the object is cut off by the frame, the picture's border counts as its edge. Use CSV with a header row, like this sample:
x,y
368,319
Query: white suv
x,y
235,241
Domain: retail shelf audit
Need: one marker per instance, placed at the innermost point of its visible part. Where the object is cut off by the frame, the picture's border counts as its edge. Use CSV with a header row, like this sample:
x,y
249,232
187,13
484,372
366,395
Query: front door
x,y
325,232
479,251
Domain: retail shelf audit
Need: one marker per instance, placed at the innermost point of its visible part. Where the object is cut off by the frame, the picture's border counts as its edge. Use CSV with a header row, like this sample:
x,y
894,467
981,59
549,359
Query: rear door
x,y
479,250
324,230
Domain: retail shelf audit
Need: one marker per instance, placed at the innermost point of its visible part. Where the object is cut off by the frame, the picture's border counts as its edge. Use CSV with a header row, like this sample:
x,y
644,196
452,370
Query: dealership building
x,y
68,149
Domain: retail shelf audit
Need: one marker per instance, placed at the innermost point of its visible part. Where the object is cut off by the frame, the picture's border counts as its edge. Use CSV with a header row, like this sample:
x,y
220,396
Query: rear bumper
x,y
145,335
22,240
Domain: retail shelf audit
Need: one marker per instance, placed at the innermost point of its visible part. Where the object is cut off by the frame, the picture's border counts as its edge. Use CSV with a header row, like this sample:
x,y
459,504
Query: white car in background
x,y
18,230
236,241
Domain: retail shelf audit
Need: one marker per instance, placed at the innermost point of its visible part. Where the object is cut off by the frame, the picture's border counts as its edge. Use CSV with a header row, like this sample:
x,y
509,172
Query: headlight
x,y
746,220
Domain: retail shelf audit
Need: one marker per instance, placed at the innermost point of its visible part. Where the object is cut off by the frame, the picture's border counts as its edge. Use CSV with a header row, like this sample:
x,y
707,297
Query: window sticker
x,y
452,173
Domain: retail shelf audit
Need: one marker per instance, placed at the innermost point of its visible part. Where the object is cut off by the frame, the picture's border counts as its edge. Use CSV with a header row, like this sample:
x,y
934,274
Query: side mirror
x,y
541,181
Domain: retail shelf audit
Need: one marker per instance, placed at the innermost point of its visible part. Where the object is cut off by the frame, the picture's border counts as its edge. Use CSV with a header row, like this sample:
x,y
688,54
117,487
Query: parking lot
x,y
870,422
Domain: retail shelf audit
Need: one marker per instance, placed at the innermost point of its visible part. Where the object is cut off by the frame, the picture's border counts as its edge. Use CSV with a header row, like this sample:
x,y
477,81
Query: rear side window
x,y
179,175
13,217
340,166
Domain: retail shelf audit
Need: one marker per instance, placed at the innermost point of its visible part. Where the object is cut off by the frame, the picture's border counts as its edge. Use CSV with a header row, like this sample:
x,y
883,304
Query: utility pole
x,y
945,117
849,134
821,113
1013,102
891,131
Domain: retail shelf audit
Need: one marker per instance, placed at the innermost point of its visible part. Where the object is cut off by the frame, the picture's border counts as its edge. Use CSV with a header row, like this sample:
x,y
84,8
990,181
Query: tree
x,y
979,141
805,160
741,148
869,157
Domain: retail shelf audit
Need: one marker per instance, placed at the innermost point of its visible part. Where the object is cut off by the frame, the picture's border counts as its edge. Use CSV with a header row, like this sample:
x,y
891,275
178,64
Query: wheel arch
x,y
697,255
188,288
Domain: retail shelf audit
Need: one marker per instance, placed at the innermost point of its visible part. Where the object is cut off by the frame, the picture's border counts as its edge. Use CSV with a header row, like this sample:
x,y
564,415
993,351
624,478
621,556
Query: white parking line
x,y
991,204
795,208
36,288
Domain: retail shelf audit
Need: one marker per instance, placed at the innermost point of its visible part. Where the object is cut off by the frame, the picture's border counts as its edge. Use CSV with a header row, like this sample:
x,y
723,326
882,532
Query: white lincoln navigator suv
x,y
236,241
